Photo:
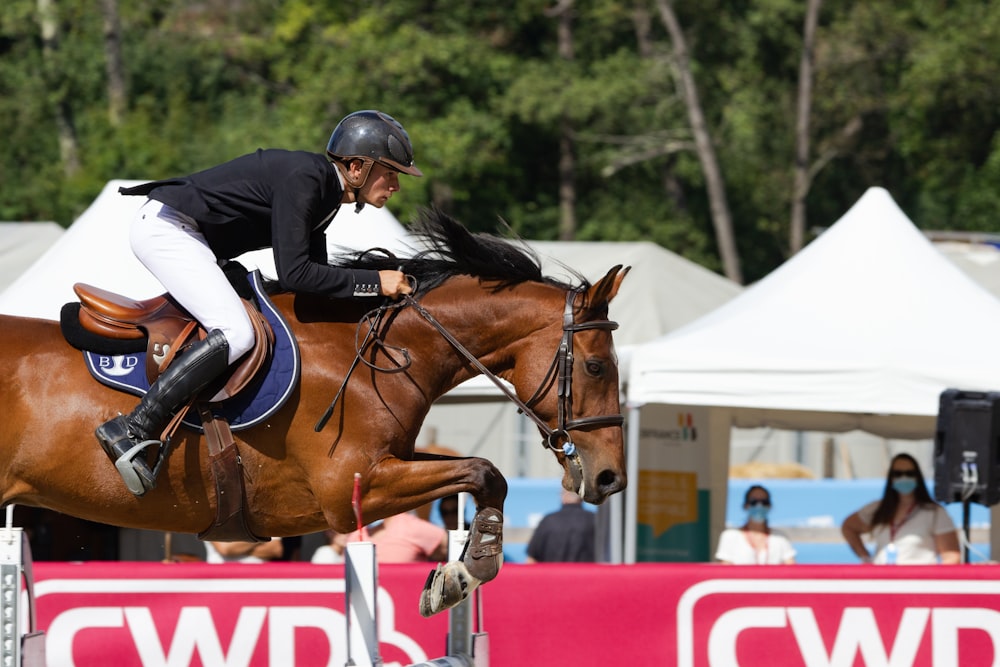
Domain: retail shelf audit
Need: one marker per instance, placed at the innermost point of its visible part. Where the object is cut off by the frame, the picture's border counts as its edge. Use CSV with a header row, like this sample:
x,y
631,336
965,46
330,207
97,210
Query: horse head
x,y
578,397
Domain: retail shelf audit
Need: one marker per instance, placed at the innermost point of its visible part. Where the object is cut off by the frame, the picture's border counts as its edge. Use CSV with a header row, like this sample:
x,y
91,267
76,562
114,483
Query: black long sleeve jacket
x,y
273,198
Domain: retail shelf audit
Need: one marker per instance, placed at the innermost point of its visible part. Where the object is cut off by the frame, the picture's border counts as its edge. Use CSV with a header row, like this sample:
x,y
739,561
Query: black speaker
x,y
967,447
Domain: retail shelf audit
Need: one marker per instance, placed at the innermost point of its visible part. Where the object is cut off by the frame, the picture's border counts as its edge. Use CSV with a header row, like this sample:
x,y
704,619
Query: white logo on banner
x,y
858,632
195,630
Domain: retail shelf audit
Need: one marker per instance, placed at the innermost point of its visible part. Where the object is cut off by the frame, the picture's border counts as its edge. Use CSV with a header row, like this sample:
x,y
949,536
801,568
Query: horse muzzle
x,y
593,489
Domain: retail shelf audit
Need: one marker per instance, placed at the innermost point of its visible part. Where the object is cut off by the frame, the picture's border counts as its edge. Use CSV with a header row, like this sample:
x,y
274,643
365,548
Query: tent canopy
x,y
863,329
980,260
21,243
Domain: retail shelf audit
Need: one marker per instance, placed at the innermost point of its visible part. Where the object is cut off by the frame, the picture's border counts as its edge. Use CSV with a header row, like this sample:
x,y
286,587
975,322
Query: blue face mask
x,y
758,513
904,485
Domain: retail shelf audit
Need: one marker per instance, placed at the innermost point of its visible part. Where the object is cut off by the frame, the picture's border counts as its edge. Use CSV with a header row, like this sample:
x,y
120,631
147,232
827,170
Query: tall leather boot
x,y
126,437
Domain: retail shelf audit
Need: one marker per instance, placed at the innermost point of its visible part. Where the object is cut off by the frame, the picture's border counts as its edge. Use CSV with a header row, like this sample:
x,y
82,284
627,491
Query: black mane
x,y
448,249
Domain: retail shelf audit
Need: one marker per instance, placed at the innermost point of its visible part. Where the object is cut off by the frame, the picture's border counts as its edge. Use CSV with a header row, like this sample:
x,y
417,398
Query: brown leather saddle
x,y
169,328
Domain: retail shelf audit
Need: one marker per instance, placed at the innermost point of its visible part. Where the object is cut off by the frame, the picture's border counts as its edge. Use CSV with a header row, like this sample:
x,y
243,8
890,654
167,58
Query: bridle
x,y
560,371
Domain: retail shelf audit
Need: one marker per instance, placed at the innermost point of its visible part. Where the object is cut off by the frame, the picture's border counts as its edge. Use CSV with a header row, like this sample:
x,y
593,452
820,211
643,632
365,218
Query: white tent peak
x,y
872,268
869,318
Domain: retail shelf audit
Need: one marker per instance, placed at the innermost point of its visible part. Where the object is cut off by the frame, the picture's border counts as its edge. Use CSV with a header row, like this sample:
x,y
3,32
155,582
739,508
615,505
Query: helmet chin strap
x,y
356,184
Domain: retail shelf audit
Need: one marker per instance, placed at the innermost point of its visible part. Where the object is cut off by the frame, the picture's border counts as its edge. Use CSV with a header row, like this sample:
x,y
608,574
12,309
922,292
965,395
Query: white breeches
x,y
170,244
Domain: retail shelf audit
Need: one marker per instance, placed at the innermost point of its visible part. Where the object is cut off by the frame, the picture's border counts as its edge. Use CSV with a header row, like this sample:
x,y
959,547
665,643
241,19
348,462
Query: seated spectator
x,y
564,536
333,551
406,538
244,552
754,543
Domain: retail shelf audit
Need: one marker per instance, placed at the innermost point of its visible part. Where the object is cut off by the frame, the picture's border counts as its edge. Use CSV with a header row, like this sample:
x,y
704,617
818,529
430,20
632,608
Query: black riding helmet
x,y
373,136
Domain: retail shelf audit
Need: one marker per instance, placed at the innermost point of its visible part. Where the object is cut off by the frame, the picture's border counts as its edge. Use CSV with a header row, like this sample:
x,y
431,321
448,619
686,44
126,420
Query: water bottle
x,y
890,554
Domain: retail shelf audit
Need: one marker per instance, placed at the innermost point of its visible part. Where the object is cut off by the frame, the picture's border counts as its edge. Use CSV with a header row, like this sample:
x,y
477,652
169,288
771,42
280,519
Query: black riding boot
x,y
126,437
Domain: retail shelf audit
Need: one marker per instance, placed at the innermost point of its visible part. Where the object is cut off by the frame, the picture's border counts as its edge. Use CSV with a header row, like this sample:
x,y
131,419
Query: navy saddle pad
x,y
256,402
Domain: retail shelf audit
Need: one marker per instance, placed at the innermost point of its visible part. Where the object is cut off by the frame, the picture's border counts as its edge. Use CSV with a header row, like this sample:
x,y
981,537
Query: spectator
x,y
754,543
244,552
406,538
448,509
333,551
907,526
564,536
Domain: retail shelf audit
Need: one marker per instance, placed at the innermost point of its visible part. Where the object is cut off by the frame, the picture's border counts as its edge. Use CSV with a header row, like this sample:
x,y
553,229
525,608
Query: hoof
x,y
446,586
483,555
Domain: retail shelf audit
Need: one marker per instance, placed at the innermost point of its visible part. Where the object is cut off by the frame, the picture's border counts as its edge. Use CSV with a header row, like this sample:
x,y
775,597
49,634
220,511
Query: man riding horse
x,y
273,198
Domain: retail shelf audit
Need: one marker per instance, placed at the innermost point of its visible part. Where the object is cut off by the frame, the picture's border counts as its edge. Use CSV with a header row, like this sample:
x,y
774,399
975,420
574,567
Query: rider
x,y
271,198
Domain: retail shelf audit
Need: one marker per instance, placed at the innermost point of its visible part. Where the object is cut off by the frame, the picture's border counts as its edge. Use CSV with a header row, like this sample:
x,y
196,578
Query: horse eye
x,y
595,368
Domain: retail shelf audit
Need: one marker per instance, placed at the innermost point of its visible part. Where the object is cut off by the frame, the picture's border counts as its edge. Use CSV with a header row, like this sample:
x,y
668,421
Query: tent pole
x,y
632,490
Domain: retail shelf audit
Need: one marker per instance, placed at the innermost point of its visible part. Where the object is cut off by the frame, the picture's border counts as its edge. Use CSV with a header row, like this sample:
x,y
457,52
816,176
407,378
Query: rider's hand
x,y
394,283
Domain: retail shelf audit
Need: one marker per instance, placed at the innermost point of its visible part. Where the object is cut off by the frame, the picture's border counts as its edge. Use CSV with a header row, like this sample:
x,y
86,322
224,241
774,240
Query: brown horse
x,y
551,341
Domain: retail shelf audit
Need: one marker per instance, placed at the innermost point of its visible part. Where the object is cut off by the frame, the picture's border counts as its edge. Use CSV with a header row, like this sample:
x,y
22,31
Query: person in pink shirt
x,y
406,538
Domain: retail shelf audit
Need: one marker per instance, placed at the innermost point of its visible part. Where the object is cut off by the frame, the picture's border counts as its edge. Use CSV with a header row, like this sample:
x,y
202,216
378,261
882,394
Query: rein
x,y
371,338
561,371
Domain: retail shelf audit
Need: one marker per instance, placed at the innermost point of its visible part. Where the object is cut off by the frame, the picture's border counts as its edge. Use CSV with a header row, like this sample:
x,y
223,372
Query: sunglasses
x,y
758,501
896,474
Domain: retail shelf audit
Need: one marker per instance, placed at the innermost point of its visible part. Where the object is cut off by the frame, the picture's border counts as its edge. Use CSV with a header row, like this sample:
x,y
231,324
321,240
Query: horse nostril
x,y
609,482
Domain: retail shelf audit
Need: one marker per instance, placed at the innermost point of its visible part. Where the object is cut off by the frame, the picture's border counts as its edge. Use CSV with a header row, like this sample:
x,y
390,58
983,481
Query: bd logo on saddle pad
x,y
118,366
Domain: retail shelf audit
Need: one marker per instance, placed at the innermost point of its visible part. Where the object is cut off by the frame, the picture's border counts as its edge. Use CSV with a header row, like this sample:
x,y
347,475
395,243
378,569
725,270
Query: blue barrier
x,y
825,503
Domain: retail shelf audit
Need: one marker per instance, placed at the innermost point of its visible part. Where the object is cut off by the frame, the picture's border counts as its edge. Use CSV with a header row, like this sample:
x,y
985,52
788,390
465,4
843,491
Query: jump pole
x,y
17,647
361,592
465,648
361,578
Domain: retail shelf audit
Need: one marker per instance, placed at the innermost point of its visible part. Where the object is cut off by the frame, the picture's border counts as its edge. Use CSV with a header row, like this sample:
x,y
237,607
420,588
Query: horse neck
x,y
495,326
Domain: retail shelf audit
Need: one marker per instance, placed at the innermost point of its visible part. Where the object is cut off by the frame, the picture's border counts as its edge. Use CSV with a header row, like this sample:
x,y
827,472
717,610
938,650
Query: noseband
x,y
561,370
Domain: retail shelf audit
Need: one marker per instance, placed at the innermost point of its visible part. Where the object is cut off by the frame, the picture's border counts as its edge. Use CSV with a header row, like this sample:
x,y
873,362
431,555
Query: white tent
x,y
979,259
863,329
95,250
21,243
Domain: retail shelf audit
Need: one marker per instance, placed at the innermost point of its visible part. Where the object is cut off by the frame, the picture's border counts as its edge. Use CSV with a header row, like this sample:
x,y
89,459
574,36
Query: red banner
x,y
163,615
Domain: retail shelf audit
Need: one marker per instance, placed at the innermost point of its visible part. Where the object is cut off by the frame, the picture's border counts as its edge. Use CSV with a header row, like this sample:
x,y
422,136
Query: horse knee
x,y
493,486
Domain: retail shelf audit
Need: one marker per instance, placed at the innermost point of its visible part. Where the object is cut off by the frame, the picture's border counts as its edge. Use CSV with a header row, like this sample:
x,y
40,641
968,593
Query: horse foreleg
x,y
392,485
430,479
450,584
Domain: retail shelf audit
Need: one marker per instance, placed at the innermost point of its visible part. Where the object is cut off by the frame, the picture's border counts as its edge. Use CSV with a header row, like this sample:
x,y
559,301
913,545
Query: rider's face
x,y
381,184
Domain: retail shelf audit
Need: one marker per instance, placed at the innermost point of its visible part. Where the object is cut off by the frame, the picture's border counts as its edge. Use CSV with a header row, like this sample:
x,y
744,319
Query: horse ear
x,y
607,287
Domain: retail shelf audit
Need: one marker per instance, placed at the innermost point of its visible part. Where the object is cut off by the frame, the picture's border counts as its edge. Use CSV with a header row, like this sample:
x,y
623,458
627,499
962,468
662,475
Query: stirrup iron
x,y
137,483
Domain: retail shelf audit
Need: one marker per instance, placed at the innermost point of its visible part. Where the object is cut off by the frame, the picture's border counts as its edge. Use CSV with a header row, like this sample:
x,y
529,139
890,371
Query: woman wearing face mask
x,y
907,526
755,543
